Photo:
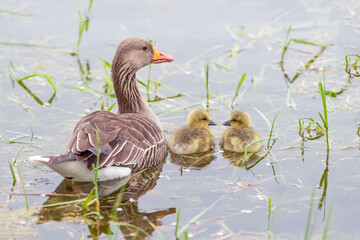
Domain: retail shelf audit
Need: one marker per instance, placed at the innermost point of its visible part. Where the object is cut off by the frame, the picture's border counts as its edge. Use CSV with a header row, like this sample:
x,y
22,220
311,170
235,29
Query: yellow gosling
x,y
240,134
194,137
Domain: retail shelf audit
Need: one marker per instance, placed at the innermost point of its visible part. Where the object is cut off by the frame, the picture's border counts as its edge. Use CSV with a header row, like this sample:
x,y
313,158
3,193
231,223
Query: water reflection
x,y
124,217
237,159
196,161
85,73
351,66
252,159
324,183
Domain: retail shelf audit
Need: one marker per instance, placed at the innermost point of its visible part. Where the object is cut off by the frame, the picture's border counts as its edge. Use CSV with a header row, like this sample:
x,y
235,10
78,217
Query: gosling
x,y
240,134
194,137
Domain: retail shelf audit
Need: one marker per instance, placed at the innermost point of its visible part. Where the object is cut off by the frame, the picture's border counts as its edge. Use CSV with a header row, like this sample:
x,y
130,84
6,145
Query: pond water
x,y
314,192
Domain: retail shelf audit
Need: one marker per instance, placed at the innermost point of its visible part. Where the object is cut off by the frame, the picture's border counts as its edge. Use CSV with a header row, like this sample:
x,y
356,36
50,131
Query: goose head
x,y
135,53
239,119
199,118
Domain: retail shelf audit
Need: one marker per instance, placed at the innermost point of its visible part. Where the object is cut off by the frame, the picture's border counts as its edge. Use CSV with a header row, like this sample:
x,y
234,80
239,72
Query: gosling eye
x,y
204,119
234,120
145,48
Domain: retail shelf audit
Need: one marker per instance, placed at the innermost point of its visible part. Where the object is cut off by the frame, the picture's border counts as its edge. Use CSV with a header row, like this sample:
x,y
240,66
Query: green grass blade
x,y
88,199
111,107
97,171
12,171
222,66
186,235
257,141
90,5
235,50
38,46
17,156
327,223
322,119
45,75
23,187
271,130
269,214
177,222
238,88
81,30
49,80
14,13
207,82
309,218
310,43
148,79
117,203
323,98
20,80
287,35
264,117
63,203
184,228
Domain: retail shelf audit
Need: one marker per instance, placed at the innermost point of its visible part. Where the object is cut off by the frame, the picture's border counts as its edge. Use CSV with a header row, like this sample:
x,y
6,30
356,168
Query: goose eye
x,y
234,120
145,48
204,119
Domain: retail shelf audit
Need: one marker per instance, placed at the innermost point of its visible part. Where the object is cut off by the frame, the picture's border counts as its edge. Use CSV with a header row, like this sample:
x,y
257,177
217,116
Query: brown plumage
x,y
194,137
131,138
240,134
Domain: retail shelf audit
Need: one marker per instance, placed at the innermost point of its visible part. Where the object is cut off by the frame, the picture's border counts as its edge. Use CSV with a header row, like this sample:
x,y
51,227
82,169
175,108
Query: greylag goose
x,y
194,137
132,139
240,134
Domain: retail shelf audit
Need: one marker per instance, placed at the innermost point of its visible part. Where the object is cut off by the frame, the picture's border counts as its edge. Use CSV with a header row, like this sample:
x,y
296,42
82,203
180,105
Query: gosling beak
x,y
212,123
227,123
160,57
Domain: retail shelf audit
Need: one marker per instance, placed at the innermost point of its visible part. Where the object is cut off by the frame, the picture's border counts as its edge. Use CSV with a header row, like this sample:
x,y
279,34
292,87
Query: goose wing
x,y
126,139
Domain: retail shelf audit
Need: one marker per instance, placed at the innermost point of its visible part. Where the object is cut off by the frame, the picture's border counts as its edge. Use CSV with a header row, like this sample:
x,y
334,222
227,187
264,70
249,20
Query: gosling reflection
x,y
237,159
127,190
196,161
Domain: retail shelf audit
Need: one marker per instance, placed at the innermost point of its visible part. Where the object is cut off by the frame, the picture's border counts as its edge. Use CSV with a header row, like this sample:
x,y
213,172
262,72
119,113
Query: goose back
x,y
124,140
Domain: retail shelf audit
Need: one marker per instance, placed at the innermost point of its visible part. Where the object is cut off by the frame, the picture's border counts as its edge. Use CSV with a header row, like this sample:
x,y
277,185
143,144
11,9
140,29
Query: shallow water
x,y
194,33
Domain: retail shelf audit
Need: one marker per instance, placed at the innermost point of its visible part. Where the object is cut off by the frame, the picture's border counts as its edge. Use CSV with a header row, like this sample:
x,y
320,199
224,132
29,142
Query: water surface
x,y
194,33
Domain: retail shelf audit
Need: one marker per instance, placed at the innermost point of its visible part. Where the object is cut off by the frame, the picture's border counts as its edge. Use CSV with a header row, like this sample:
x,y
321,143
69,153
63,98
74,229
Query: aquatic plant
x,y
324,116
20,81
207,84
238,88
303,42
183,230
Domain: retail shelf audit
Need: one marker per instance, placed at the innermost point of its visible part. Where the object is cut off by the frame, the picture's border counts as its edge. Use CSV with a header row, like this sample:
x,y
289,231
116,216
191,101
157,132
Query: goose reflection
x,y
129,190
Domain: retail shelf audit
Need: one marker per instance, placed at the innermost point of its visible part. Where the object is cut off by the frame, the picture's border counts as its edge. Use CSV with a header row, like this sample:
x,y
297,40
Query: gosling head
x,y
199,118
239,119
136,53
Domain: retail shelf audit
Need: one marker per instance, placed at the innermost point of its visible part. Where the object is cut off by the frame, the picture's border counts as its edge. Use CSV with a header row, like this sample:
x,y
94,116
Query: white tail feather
x,y
39,159
78,172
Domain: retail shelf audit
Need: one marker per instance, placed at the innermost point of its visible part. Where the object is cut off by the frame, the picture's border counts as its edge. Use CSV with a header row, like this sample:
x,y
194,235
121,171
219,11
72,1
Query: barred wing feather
x,y
125,139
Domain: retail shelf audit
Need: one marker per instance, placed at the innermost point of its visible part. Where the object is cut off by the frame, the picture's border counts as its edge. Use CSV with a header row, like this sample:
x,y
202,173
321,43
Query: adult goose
x,y
195,137
240,134
132,139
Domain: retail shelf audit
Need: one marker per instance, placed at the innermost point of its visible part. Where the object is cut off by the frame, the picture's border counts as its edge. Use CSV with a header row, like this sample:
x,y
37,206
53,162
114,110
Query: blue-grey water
x,y
235,37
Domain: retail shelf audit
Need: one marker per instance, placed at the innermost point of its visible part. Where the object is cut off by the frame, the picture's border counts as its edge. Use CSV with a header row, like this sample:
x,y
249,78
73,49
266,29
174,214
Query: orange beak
x,y
160,57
